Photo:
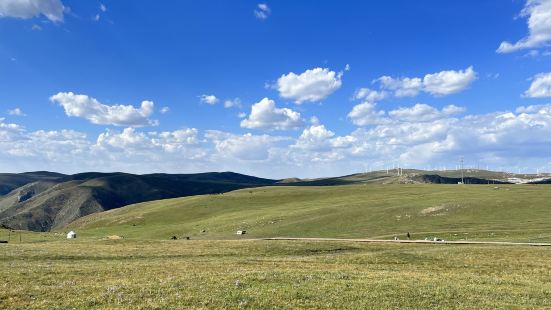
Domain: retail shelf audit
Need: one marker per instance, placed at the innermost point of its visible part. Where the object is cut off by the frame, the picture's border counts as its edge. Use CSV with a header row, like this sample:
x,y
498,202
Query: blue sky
x,y
275,89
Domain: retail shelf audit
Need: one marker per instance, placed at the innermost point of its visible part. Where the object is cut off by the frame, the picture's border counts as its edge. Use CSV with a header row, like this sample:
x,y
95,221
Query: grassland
x,y
132,274
145,270
452,212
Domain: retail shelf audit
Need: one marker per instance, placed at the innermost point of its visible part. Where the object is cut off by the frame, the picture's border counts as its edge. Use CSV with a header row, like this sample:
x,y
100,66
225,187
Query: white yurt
x,y
71,235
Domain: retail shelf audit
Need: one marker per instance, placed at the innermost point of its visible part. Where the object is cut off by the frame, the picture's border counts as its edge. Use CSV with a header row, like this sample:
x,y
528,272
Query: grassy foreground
x,y
129,274
452,212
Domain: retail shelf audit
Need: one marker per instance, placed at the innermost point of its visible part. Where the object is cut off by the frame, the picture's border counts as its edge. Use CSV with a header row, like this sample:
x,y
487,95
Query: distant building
x,y
71,235
241,232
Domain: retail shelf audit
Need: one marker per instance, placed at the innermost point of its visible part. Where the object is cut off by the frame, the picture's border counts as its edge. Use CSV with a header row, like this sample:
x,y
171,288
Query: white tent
x,y
71,235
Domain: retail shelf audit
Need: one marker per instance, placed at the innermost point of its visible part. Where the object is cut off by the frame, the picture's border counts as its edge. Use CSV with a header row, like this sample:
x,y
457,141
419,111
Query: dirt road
x,y
415,241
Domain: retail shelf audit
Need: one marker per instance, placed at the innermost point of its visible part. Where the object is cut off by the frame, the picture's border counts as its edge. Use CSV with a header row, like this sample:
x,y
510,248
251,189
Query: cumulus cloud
x,y
402,87
453,109
499,139
10,132
423,113
25,9
17,145
448,82
315,137
97,113
312,85
243,147
209,99
263,11
131,140
365,114
540,87
265,115
164,110
539,27
370,95
126,150
16,112
441,83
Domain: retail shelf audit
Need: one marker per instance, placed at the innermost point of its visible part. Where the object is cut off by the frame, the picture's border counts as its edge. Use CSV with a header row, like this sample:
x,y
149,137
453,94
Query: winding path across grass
x,y
414,241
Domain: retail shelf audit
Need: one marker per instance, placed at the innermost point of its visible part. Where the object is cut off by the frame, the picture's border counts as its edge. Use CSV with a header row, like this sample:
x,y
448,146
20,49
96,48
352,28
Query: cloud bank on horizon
x,y
307,121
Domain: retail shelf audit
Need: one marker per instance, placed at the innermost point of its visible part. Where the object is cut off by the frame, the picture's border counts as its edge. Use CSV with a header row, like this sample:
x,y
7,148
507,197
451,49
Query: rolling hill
x,y
453,212
45,204
41,201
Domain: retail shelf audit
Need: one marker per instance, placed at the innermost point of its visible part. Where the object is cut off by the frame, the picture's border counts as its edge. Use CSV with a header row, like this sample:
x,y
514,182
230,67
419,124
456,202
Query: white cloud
x,y
500,139
453,109
164,110
265,115
232,103
17,145
540,108
10,132
365,114
448,82
311,85
540,87
16,112
127,150
172,141
402,87
243,147
315,137
102,7
128,139
423,113
437,84
25,9
370,95
419,112
132,141
97,113
539,27
36,27
209,99
263,11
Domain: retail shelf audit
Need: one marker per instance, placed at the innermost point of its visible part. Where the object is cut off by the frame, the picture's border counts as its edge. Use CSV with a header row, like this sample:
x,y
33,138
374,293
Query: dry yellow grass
x,y
130,274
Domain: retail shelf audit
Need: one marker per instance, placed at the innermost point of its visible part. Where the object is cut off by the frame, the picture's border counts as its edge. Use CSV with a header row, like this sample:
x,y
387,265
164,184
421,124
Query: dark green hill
x,y
11,181
41,206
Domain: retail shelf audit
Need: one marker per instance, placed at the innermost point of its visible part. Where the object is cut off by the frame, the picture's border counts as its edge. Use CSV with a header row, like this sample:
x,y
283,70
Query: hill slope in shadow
x,y
45,205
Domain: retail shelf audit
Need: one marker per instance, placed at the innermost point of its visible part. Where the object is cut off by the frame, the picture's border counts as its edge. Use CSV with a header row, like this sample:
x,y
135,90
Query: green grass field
x,y
131,274
145,270
452,212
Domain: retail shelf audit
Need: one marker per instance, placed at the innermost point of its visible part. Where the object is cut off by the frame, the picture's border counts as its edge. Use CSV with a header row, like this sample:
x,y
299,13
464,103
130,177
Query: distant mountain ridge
x,y
42,202
11,181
